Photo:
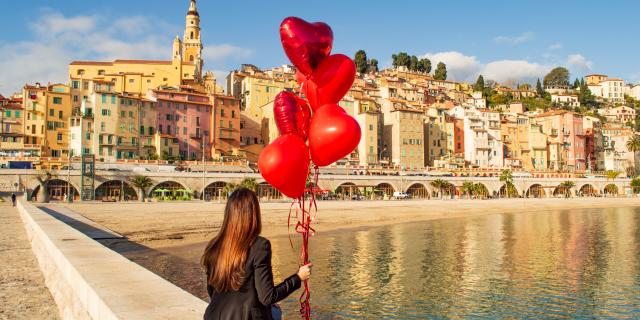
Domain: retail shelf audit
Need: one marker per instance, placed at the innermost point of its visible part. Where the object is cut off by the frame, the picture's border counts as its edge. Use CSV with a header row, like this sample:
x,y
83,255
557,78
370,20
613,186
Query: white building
x,y
610,89
483,145
632,90
565,99
621,114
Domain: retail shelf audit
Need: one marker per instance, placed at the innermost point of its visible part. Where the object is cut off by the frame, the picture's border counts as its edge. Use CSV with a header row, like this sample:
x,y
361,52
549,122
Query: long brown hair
x,y
226,254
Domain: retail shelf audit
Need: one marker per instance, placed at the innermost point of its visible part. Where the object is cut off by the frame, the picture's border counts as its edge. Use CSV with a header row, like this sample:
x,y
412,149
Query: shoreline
x,y
159,225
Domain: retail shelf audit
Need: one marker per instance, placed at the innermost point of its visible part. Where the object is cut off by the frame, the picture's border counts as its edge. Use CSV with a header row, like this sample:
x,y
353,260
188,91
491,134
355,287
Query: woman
x,y
238,265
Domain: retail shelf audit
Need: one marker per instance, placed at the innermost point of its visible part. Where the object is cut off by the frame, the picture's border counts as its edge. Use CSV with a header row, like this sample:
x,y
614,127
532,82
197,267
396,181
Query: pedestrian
x,y
238,266
13,199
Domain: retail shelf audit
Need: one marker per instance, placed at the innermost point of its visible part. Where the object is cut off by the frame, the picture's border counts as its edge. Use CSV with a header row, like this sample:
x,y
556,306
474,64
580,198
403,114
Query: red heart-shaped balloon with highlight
x,y
284,164
333,134
306,44
330,81
291,114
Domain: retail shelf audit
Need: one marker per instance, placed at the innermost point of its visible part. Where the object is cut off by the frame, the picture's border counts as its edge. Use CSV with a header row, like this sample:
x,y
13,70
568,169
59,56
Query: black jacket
x,y
254,299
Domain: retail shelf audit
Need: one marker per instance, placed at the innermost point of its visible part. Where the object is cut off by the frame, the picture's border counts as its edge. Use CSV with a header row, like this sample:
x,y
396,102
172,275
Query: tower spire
x,y
192,8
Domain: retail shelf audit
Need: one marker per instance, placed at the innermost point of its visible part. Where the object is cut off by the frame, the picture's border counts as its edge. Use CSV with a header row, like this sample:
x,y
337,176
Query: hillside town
x,y
412,119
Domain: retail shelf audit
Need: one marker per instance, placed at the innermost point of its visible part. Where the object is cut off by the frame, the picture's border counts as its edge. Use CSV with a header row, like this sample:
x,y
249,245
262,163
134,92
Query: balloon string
x,y
303,227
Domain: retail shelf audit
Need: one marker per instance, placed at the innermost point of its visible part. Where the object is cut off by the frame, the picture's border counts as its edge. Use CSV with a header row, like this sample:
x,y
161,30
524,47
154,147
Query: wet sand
x,y
168,238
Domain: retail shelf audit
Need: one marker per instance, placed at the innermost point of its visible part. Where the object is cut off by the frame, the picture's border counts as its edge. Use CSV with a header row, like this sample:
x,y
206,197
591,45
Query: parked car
x,y
400,195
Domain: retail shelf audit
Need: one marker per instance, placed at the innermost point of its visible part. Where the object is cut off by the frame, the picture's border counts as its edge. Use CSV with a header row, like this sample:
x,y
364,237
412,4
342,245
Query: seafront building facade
x,y
172,109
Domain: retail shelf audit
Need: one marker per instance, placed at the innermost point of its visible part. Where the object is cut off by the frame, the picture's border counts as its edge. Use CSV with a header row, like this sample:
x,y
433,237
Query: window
x,y
17,114
197,121
160,128
113,99
85,85
106,112
59,136
230,125
57,100
122,114
184,130
104,98
75,98
131,80
80,72
51,112
102,126
370,127
101,72
222,112
130,114
75,84
233,114
60,114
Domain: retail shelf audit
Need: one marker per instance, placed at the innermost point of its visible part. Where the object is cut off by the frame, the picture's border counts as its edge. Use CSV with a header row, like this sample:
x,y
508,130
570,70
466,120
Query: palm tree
x,y
249,183
612,174
633,145
506,176
142,183
566,188
468,187
43,180
228,188
440,184
480,190
635,185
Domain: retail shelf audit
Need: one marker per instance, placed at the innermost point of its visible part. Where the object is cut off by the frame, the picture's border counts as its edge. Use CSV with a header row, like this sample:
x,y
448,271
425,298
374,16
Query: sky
x,y
505,41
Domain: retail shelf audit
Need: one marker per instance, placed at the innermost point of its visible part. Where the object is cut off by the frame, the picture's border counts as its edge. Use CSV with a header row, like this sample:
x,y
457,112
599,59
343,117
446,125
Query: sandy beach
x,y
179,223
168,238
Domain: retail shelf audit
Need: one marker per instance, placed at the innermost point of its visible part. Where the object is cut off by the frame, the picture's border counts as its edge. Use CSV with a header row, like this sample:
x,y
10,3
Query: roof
x,y
596,75
123,61
612,79
13,106
91,63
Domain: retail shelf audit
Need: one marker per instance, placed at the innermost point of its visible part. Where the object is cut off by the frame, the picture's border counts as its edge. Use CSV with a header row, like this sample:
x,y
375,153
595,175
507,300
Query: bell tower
x,y
192,44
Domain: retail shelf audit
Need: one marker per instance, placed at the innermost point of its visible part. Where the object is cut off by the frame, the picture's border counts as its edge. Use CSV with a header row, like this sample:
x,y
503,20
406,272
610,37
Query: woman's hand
x,y
305,271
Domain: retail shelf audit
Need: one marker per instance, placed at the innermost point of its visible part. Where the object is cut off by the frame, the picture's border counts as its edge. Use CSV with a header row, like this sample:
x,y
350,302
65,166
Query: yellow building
x,y
256,89
11,127
403,135
46,120
139,76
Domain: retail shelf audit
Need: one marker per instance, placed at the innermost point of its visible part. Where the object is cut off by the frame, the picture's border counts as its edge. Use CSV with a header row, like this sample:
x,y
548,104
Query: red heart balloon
x,y
284,164
333,134
291,114
306,44
330,81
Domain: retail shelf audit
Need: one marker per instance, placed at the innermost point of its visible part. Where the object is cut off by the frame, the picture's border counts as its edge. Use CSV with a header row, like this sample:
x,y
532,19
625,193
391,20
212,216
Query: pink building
x,y
185,115
565,131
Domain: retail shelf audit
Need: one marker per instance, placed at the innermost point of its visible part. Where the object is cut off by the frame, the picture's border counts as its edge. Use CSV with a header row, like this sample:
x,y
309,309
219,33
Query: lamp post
x,y
204,169
69,154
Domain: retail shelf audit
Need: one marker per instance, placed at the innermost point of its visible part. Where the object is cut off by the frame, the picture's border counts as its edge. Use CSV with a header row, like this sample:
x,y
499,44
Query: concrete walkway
x,y
23,294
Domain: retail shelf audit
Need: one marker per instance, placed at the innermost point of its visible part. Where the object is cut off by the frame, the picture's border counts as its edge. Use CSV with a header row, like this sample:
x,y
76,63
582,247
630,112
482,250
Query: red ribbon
x,y
303,227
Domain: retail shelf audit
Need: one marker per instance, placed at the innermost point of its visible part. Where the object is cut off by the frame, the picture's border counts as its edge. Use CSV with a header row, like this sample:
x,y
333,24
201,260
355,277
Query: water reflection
x,y
580,263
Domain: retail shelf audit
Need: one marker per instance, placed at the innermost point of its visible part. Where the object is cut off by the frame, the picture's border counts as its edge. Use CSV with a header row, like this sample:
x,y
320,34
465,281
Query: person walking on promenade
x,y
238,265
13,199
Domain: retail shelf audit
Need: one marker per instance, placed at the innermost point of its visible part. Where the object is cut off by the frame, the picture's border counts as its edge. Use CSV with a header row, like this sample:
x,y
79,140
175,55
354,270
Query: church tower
x,y
192,44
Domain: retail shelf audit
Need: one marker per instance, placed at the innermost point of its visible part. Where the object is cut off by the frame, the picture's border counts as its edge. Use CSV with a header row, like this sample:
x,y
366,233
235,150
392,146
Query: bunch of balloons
x,y
316,129
322,133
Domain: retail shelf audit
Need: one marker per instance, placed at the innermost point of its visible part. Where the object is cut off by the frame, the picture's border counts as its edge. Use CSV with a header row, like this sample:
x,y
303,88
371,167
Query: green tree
x,y
413,63
612,174
424,65
441,71
558,76
566,186
539,88
373,66
249,183
401,59
635,185
480,190
228,188
586,98
440,184
506,177
361,61
576,84
468,188
633,145
142,183
479,85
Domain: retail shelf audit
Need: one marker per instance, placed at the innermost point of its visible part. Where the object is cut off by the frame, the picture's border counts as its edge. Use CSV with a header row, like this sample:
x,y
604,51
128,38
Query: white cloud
x,y
578,62
514,39
461,67
57,40
555,46
520,70
224,51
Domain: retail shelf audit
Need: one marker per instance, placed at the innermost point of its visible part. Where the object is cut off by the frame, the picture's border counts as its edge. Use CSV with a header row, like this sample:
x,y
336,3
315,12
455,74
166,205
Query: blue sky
x,y
503,40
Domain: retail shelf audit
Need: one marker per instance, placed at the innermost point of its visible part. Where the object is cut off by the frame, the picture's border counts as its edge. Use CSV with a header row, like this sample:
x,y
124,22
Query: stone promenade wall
x,y
90,281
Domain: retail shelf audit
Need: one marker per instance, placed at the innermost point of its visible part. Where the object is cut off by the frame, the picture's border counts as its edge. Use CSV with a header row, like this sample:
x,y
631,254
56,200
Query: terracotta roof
x,y
92,63
143,61
13,106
